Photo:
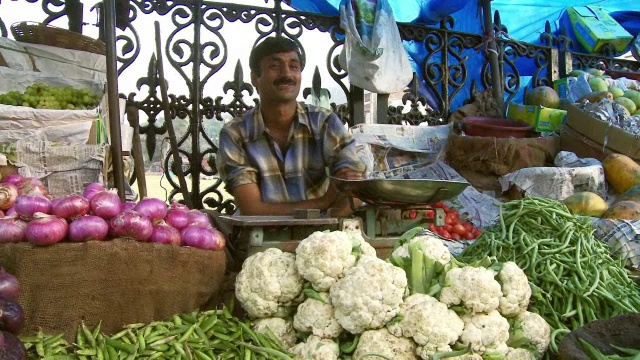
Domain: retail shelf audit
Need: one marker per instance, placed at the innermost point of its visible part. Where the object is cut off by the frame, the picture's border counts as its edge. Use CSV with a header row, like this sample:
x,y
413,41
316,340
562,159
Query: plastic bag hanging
x,y
373,54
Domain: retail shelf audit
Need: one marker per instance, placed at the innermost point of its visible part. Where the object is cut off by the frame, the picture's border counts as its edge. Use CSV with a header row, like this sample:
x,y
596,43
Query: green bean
x,y
272,352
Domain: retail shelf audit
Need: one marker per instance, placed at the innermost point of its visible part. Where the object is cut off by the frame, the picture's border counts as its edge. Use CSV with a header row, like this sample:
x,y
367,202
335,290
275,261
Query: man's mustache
x,y
284,81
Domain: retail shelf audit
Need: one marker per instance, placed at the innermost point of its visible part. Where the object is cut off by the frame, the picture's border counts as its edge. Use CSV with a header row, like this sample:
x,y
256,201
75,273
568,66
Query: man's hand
x,y
347,174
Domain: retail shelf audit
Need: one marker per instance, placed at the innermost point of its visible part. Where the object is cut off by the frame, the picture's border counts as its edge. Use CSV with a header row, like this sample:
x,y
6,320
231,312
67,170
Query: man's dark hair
x,y
272,45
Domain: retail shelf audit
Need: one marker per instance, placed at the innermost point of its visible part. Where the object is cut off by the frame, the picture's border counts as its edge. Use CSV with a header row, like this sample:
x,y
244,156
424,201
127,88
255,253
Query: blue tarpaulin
x,y
524,19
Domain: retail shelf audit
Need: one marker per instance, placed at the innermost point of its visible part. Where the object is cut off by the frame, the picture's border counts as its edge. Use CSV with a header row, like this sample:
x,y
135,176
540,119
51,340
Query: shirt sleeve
x,y
340,147
232,162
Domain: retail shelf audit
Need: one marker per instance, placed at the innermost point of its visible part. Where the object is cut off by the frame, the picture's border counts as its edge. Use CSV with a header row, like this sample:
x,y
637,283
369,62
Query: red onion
x,y
70,207
88,227
14,179
198,218
30,185
202,238
129,205
153,208
12,229
46,229
132,225
177,218
12,349
11,315
9,285
165,234
92,189
8,195
178,206
11,211
106,204
29,204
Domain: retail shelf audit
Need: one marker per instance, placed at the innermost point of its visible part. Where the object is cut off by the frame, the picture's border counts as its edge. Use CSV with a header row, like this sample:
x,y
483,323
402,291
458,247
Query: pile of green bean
x,y
574,276
208,335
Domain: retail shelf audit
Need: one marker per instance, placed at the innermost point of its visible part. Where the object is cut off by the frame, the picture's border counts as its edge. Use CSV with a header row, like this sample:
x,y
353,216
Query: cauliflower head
x,y
316,348
317,317
268,282
530,331
473,287
369,295
430,245
516,291
323,257
428,322
487,333
282,329
519,354
383,343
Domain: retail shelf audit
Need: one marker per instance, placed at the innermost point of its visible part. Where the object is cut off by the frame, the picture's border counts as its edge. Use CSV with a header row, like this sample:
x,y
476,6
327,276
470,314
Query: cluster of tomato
x,y
454,228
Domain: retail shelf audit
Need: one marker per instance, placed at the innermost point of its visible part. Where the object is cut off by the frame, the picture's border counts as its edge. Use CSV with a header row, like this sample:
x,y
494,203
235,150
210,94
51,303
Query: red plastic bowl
x,y
496,127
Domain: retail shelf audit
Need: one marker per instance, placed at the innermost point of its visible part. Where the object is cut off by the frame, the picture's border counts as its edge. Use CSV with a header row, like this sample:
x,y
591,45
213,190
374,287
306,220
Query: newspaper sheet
x,y
391,150
480,209
623,236
569,176
64,169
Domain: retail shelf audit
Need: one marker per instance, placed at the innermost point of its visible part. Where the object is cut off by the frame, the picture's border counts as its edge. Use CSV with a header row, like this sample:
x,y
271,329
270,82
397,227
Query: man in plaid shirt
x,y
276,158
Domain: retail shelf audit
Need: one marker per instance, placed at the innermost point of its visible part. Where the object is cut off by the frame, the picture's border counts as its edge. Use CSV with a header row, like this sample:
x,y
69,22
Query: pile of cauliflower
x,y
335,299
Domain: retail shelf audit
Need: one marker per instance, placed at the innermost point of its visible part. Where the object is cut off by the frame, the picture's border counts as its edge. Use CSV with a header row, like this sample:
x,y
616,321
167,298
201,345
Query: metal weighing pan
x,y
401,191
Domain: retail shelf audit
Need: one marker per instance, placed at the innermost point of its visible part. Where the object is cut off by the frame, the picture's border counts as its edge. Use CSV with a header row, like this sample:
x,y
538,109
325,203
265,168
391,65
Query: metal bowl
x,y
401,191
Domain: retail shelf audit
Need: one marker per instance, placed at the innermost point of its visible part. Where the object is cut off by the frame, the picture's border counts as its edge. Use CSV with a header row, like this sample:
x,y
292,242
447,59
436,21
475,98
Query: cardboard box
x,y
541,118
588,136
594,27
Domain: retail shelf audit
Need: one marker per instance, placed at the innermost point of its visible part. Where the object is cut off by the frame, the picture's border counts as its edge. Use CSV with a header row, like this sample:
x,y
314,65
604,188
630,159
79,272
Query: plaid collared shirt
x,y
317,140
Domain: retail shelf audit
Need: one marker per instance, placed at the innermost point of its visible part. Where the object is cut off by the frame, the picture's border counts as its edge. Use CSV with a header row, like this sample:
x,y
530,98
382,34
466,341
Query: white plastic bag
x,y
373,54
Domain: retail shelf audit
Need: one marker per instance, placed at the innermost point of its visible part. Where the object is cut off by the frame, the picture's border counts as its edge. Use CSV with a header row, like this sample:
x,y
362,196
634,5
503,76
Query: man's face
x,y
279,80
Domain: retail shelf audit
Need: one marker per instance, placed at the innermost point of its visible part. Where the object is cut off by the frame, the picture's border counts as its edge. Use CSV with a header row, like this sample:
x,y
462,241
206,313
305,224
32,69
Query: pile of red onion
x,y
11,318
98,214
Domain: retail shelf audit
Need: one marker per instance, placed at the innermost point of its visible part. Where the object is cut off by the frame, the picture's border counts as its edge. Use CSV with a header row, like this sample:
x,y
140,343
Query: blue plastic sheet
x,y
524,19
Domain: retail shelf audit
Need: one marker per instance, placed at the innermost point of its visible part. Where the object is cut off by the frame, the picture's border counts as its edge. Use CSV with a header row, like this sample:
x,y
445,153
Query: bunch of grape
x,y
41,96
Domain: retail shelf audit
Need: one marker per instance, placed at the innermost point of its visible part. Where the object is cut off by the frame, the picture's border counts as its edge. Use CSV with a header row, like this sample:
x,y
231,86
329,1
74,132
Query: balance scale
x,y
381,220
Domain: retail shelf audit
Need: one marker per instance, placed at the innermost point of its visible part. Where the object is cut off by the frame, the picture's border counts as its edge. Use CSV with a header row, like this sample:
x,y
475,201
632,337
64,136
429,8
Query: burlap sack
x,y
117,282
500,156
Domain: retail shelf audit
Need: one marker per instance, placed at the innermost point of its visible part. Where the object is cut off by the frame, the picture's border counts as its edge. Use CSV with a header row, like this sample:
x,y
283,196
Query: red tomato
x,y
439,204
477,232
446,209
448,227
469,236
459,229
430,214
467,226
455,236
412,214
432,227
445,234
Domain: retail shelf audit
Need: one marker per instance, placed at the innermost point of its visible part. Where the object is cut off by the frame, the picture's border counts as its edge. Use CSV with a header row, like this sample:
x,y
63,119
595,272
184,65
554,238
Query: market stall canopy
x,y
525,19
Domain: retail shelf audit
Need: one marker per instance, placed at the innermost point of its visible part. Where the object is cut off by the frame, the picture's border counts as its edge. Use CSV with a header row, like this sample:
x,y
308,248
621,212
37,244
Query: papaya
x,y
621,172
632,194
626,210
586,203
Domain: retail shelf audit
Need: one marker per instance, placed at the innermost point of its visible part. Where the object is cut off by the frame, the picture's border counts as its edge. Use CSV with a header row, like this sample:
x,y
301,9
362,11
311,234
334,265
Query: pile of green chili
x,y
208,335
574,277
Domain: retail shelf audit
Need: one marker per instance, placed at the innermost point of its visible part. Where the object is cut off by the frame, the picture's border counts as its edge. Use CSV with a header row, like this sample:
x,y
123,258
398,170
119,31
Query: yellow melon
x,y
621,172
586,203
632,194
627,210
